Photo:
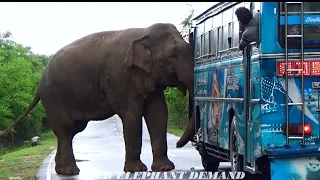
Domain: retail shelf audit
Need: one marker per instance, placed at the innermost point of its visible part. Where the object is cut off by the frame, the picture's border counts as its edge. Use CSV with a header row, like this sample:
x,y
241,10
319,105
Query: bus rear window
x,y
311,24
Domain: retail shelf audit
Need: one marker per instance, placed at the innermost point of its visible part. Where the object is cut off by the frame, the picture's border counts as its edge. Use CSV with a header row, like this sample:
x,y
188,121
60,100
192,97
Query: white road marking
x,y
118,133
115,129
114,124
49,167
170,154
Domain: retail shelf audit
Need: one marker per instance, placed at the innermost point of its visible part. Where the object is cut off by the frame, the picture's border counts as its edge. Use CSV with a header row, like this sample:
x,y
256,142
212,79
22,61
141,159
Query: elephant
x,y
123,72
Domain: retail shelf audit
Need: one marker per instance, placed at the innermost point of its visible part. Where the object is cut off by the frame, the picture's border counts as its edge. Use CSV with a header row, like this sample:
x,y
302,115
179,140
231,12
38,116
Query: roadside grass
x,y
24,163
174,129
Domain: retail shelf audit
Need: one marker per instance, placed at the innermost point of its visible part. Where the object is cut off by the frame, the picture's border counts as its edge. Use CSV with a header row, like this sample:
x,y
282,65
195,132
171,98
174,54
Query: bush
x,y
178,107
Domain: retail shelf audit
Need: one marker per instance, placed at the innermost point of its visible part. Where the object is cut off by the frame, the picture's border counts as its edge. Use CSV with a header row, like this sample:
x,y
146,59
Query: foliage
x,y
186,23
177,107
20,71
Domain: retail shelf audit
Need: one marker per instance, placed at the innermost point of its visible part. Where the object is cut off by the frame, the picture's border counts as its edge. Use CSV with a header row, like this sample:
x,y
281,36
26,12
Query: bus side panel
x,y
234,87
221,83
202,86
299,168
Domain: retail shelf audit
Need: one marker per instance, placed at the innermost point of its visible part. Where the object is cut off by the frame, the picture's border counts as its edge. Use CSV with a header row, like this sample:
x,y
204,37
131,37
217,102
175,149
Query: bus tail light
x,y
296,129
308,68
282,68
315,67
305,68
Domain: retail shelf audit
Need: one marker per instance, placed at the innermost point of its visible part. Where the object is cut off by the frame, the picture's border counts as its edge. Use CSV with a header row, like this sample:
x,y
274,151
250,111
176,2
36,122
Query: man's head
x,y
244,15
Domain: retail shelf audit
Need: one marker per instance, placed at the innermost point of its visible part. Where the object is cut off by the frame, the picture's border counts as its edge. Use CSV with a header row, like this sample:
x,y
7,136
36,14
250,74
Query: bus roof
x,y
215,9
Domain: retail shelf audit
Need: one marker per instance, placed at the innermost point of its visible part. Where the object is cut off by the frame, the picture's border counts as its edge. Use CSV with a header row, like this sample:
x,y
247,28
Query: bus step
x,y
294,36
295,137
294,70
295,104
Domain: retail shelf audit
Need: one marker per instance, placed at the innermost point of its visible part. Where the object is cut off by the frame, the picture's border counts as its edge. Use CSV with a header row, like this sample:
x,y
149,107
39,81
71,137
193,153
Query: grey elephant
x,y
120,72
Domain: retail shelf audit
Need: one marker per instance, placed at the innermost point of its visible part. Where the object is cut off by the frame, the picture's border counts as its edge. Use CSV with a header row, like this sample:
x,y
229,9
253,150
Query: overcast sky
x,y
48,26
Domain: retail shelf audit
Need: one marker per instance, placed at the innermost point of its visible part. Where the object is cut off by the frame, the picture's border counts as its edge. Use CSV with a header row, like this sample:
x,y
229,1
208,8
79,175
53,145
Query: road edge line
x,y
49,167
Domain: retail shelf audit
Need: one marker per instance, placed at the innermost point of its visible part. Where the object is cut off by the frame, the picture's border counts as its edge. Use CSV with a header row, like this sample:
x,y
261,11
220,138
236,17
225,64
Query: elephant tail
x,y
35,101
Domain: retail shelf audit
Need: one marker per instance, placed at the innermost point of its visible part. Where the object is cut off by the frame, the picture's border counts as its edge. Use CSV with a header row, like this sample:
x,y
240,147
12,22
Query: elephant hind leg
x,y
65,129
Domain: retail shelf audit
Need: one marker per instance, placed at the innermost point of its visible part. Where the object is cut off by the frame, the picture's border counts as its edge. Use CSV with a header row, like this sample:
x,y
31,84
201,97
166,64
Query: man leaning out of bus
x,y
251,26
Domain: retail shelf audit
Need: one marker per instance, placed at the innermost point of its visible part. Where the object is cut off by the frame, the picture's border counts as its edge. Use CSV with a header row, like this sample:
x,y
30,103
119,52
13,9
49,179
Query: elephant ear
x,y
139,54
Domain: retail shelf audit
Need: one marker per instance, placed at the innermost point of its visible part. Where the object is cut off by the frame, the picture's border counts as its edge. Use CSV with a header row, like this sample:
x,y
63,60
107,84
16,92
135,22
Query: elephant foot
x,y
70,170
162,165
134,166
58,168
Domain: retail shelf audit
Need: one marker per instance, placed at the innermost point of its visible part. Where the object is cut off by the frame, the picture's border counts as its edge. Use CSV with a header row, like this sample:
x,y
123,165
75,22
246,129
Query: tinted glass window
x,y
206,44
220,39
198,46
235,41
208,25
311,24
217,21
202,45
213,42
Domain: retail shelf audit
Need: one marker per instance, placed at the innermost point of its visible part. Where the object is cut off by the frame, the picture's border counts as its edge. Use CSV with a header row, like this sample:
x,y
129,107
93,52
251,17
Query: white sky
x,y
48,26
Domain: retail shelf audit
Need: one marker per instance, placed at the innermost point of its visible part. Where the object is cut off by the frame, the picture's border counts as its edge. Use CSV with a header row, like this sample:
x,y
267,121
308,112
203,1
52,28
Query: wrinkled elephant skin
x,y
115,72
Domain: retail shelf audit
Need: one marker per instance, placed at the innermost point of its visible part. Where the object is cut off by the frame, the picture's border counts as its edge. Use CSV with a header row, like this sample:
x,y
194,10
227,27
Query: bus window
x,y
206,44
208,25
309,7
257,6
213,42
225,37
198,45
235,34
230,34
312,7
311,30
220,39
227,16
202,46
200,28
216,21
191,41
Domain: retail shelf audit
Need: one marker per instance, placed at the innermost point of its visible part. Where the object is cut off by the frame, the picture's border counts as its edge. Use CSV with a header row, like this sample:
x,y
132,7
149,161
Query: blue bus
x,y
259,109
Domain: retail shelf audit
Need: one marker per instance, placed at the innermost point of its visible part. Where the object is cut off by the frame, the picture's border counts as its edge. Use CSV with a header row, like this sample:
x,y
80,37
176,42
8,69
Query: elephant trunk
x,y
187,78
192,126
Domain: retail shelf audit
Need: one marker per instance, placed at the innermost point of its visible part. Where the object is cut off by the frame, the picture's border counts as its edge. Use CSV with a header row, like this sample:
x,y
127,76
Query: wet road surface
x,y
99,150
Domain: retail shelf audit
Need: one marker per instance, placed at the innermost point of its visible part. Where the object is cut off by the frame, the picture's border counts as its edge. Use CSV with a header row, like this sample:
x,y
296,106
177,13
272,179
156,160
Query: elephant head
x,y
168,58
162,53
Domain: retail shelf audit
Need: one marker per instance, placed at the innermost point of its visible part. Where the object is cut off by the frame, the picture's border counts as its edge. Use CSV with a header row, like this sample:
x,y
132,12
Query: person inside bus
x,y
249,26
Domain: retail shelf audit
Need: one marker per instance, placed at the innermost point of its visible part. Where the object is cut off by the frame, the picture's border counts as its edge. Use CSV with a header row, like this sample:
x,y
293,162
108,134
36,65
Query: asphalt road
x,y
99,151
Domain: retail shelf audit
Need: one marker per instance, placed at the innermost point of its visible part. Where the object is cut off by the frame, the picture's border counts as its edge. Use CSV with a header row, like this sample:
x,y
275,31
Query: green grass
x,y
174,129
24,163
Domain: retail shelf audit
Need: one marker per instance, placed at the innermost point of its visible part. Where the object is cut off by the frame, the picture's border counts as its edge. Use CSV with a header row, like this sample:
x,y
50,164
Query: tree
x,y
20,72
187,21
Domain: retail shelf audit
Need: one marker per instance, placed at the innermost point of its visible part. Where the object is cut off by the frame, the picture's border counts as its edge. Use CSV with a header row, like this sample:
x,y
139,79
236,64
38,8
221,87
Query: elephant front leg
x,y
156,116
132,130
